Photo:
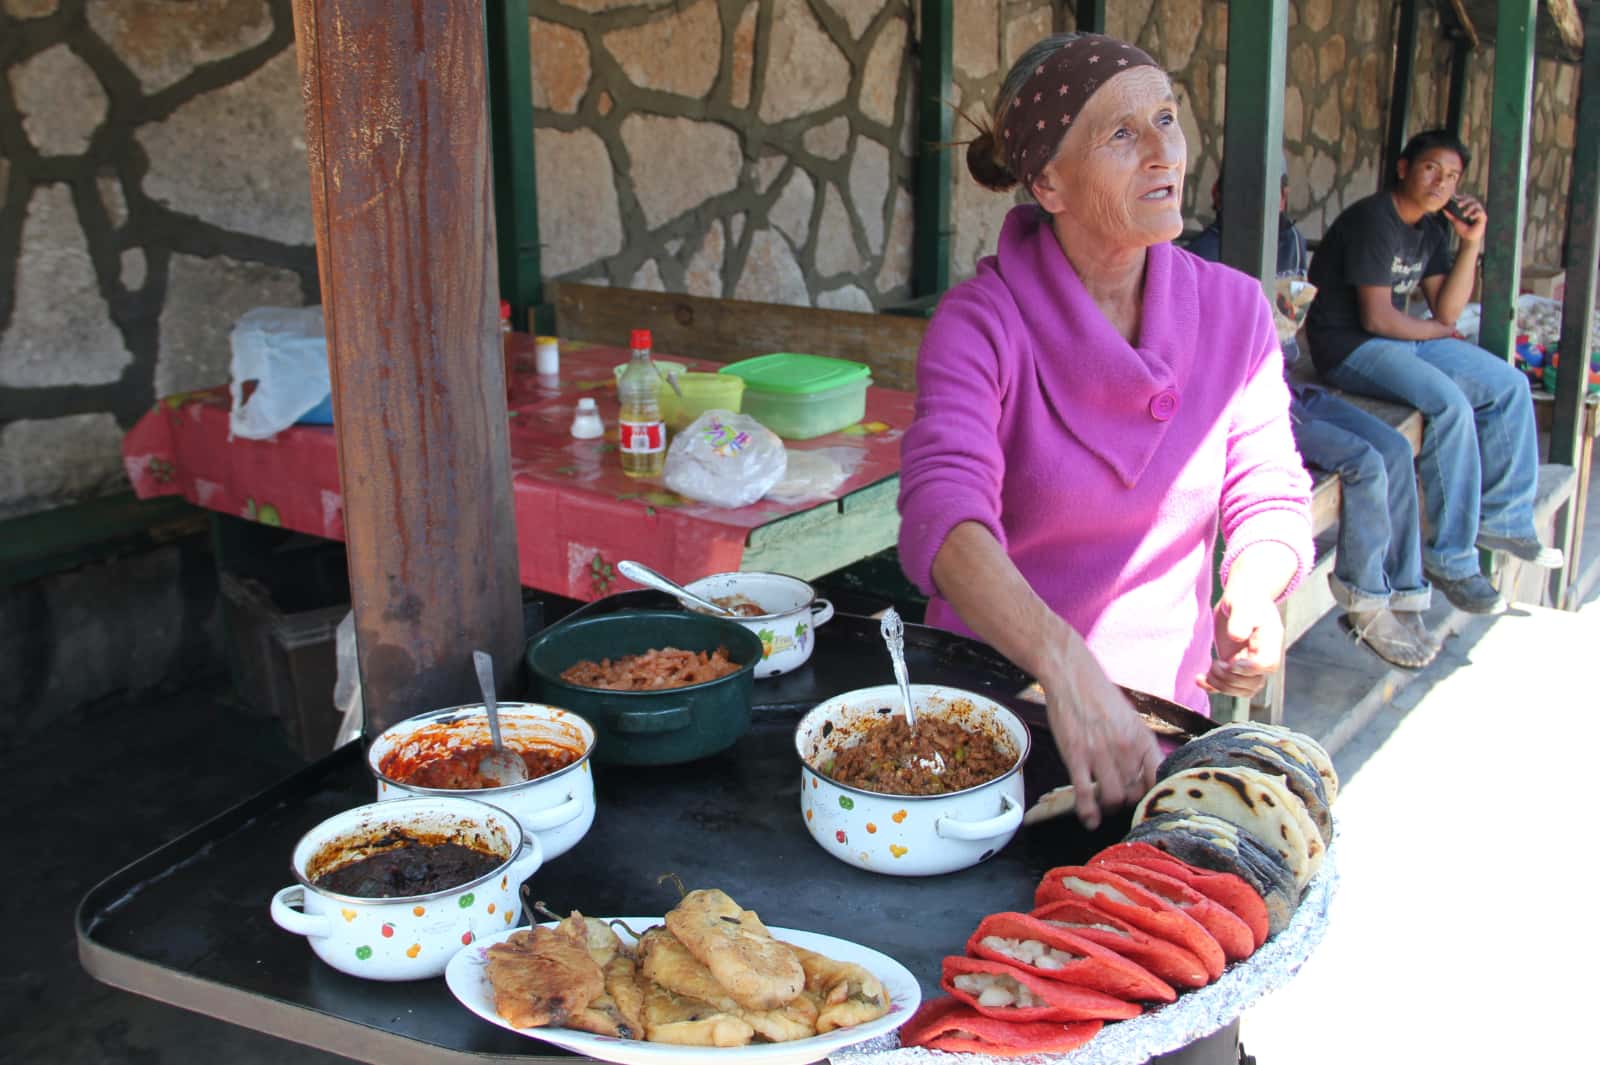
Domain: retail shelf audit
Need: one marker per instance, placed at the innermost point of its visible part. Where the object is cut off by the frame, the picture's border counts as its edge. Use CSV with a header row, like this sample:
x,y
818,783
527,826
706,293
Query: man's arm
x,y
1381,318
1448,294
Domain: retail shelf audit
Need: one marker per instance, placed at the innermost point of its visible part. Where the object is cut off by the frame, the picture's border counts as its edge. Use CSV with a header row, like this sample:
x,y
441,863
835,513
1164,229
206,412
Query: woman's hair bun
x,y
985,166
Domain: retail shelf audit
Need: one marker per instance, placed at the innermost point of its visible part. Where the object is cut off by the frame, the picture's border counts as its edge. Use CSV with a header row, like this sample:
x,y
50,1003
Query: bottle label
x,y
642,438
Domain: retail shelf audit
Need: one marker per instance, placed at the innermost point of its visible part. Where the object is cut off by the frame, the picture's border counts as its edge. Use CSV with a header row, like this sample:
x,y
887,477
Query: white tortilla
x,y
1260,804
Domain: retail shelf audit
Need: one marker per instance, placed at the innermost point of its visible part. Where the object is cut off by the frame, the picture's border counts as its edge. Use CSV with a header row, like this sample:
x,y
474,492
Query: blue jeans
x,y
1379,561
1480,451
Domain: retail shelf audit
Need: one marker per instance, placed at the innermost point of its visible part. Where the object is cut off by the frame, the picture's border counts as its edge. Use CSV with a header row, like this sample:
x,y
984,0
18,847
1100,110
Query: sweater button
x,y
1164,405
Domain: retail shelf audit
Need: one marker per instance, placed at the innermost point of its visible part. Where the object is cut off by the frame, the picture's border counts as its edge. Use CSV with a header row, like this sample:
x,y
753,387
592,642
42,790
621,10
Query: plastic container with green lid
x,y
802,396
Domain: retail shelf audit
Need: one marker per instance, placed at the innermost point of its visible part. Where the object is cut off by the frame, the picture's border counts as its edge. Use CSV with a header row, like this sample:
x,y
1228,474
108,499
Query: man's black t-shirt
x,y
1368,244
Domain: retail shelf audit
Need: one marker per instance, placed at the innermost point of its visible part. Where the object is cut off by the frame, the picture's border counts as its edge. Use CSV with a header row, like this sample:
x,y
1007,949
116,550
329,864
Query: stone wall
x,y
153,181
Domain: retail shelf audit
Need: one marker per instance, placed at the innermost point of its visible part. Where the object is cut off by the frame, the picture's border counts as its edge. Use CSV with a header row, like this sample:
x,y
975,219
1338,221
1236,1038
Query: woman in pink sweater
x,y
1091,407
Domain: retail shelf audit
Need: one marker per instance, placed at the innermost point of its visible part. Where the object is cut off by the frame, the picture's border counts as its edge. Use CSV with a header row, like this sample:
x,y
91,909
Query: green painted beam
x,y
829,536
516,199
1258,35
1510,114
930,257
1091,16
1405,59
1583,249
50,541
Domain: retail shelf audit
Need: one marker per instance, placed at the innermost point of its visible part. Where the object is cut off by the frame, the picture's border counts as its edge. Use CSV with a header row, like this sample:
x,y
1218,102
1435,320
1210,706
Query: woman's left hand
x,y
1249,644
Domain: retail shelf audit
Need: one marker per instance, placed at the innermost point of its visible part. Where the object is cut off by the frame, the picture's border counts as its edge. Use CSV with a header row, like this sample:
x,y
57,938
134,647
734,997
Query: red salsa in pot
x,y
460,769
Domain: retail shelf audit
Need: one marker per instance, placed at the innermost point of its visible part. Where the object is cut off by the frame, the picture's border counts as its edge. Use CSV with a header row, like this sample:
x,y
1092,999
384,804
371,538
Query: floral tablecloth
x,y
576,512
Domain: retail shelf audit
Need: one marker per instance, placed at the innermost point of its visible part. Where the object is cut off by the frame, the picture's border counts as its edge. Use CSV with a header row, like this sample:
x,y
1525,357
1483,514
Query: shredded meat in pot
x,y
889,758
667,667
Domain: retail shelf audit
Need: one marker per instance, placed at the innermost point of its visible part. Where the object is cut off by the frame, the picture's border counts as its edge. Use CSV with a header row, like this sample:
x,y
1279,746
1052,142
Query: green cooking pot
x,y
650,727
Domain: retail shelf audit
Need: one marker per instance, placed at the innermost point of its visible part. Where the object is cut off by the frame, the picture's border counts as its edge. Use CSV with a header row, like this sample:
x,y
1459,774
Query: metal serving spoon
x,y
500,766
894,637
648,577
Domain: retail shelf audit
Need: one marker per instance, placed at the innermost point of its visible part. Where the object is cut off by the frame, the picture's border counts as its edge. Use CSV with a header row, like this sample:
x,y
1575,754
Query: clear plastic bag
x,y
347,681
283,350
815,473
727,459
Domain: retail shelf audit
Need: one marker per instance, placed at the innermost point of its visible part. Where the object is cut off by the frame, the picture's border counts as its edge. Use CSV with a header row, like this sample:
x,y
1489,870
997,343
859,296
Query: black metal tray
x,y
188,924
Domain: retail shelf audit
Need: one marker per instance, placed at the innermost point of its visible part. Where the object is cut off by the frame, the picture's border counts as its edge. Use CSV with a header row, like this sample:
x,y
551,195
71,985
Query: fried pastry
x,y
670,1018
667,962
756,970
543,976
845,993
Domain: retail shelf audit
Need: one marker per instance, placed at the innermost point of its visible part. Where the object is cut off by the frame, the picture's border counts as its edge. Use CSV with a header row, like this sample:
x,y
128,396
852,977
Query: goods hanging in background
x,y
641,434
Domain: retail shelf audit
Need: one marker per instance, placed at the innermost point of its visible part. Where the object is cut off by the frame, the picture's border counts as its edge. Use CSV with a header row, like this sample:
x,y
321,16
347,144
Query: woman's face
x,y
1118,172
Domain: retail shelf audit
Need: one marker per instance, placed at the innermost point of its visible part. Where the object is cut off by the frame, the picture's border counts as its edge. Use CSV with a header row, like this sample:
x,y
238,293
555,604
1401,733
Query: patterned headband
x,y
1054,94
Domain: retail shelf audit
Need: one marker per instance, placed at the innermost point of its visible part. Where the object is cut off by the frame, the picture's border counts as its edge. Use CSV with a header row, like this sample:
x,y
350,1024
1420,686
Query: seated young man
x,y
1480,456
1377,571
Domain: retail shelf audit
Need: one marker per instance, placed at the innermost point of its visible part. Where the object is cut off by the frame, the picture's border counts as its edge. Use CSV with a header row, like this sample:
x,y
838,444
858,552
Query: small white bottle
x,y
547,356
586,423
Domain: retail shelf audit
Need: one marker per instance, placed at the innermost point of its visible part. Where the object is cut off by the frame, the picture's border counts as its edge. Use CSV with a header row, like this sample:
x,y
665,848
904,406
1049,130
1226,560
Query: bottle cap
x,y
505,310
639,339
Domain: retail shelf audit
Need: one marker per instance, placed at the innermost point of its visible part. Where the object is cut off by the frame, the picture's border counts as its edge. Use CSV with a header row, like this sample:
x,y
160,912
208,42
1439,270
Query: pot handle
x,y
555,816
821,611
292,920
527,861
1008,820
667,720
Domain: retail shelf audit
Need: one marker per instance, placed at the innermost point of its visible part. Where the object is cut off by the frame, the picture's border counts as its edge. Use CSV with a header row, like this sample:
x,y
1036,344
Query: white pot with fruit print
x,y
920,801
391,890
783,611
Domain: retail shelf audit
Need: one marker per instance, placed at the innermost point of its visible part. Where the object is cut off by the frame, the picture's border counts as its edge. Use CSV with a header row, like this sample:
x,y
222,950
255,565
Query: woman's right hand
x,y
1109,753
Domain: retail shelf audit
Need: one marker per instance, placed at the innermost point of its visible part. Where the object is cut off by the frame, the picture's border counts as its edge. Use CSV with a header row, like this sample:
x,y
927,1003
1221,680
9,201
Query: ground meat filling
x,y
891,758
1030,952
991,989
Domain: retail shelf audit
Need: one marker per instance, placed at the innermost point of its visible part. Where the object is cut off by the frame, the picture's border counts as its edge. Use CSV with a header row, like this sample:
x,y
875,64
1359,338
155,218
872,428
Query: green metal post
x,y
1508,172
930,262
1583,246
1405,57
1091,16
516,199
1258,34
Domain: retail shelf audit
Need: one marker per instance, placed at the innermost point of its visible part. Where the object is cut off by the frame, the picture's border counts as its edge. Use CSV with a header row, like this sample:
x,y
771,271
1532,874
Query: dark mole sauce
x,y
412,868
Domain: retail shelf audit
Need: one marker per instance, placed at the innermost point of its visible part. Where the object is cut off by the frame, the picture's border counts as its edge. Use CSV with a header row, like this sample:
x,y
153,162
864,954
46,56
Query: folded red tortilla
x,y
1231,934
1093,966
950,1024
1061,1002
1115,894
1168,961
1234,893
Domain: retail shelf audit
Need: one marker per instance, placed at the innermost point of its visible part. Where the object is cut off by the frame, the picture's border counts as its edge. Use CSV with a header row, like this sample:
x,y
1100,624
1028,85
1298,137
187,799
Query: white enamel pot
x,y
793,613
414,937
557,807
909,835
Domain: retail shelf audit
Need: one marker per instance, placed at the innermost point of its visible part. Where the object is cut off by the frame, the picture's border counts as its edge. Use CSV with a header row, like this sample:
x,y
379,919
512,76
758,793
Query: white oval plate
x,y
468,979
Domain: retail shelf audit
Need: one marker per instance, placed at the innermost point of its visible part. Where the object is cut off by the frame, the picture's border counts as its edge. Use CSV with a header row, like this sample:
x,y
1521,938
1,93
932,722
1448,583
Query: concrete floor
x,y
1462,788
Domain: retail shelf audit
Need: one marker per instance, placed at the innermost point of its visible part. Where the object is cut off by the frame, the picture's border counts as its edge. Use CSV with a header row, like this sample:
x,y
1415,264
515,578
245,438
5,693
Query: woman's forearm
x,y
1262,571
977,578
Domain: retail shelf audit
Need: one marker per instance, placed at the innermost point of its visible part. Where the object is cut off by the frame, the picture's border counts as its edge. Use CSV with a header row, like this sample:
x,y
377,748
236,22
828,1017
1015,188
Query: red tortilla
x,y
1140,907
950,1024
1168,961
1231,934
1095,967
1063,1002
1234,893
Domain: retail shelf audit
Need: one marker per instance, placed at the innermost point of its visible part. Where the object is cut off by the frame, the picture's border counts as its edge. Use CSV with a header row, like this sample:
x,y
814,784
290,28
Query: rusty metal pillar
x,y
397,136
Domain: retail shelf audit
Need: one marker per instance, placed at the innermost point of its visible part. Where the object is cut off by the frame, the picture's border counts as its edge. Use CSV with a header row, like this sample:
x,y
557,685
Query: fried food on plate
x,y
757,971
665,961
845,993
670,1018
543,976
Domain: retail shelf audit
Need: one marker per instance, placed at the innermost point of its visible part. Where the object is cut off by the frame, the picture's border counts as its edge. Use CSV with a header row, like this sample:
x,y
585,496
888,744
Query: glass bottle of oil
x,y
642,435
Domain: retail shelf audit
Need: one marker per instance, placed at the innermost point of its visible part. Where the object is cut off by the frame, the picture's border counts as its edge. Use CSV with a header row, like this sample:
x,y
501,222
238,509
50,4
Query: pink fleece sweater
x,y
1104,469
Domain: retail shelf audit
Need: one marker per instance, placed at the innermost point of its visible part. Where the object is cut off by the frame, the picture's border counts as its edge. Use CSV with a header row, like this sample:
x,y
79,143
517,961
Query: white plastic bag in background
x,y
283,350
724,458
347,682
815,473
1467,322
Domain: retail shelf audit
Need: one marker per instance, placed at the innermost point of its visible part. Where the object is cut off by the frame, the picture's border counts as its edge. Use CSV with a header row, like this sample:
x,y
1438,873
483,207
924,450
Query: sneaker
x,y
1388,638
1527,548
1473,593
